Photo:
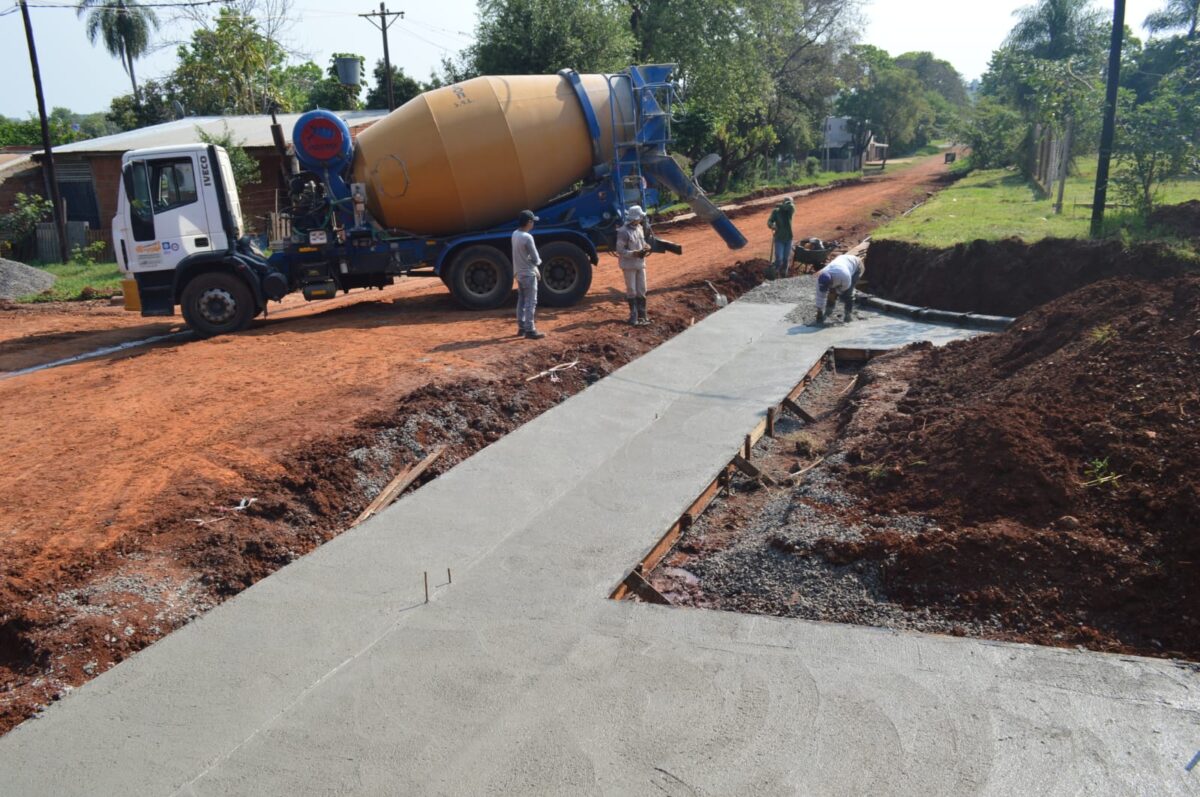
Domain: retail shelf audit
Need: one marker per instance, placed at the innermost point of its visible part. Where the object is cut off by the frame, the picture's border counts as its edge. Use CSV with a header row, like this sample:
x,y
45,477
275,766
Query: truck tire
x,y
481,278
566,274
217,303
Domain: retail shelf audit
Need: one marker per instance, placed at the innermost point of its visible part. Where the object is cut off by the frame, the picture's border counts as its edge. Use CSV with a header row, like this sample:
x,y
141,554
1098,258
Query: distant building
x,y
89,172
837,149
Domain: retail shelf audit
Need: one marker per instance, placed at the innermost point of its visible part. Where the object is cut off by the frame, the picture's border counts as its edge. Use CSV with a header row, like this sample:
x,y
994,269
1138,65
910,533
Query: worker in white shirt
x,y
838,279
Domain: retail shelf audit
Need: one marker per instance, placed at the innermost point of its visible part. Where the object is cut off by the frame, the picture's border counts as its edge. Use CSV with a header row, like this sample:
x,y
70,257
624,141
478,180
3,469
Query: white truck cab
x,y
178,217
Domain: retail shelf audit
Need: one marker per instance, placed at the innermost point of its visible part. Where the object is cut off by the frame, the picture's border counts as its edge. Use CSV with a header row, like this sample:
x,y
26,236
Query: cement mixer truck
x,y
433,189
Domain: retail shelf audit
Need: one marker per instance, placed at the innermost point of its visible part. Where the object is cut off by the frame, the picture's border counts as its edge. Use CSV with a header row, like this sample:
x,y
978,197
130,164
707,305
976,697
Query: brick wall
x,y
106,178
258,199
25,181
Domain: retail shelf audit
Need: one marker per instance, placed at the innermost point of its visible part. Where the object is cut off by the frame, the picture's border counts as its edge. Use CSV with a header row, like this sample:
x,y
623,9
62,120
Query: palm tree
x,y
1056,29
1177,14
124,27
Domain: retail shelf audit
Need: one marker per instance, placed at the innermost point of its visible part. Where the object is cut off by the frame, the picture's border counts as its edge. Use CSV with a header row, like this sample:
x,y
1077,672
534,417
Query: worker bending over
x,y
838,278
631,257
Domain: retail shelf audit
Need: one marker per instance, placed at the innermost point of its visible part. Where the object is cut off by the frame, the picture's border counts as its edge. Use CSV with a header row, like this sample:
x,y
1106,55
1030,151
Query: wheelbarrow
x,y
815,256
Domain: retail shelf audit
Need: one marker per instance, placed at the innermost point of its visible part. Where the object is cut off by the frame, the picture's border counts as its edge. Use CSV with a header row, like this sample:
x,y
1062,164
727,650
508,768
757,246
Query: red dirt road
x,y
97,449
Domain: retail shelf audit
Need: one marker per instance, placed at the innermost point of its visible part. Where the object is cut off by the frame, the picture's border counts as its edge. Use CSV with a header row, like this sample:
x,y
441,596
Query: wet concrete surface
x,y
334,676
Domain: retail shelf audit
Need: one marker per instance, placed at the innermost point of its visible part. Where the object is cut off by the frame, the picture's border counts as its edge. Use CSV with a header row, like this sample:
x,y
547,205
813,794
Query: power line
x,y
126,10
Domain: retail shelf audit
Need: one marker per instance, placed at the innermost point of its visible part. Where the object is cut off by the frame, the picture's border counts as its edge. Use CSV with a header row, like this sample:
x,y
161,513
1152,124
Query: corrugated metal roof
x,y
250,131
19,162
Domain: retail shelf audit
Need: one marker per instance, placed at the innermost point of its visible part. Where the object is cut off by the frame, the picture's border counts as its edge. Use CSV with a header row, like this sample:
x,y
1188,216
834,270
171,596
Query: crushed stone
x,y
18,279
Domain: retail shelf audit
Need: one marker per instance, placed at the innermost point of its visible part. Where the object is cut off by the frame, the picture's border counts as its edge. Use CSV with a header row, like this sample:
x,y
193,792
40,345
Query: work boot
x,y
643,318
820,318
633,312
533,334
847,316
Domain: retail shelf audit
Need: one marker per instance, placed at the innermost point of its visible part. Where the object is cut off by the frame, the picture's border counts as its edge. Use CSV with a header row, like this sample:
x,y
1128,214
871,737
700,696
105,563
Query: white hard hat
x,y
635,213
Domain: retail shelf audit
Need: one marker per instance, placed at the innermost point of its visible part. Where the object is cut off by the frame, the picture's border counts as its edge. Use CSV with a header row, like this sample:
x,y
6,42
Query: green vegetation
x,y
79,280
123,26
245,168
19,223
1000,203
1098,474
1102,334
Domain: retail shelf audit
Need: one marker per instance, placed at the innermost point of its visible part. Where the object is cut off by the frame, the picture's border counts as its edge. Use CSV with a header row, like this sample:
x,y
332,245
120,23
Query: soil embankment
x,y
1062,462
1010,277
1039,485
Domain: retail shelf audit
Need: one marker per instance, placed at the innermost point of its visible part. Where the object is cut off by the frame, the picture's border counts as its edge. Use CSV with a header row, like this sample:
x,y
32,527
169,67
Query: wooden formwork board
x,y
635,582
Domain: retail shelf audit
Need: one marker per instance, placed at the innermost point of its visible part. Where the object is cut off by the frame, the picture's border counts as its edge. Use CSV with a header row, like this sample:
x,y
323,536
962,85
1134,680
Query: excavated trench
x,y
1036,485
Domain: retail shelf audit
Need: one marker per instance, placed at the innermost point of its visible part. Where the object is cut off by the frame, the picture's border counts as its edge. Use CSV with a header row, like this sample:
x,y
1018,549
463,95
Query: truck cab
x,y
178,238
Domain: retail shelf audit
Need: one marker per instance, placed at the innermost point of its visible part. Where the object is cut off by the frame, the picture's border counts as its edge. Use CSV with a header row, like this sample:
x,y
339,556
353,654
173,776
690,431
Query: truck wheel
x,y
216,303
481,278
566,274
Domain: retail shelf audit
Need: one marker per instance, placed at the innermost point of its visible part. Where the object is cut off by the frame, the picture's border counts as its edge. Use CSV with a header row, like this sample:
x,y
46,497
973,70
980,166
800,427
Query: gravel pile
x,y
773,568
791,290
18,279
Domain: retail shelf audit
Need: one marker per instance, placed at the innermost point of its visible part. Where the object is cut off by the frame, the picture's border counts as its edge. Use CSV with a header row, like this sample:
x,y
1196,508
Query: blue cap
x,y
823,280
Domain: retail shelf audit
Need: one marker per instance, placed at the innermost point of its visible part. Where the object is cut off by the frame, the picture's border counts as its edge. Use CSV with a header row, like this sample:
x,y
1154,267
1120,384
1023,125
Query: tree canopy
x,y
123,26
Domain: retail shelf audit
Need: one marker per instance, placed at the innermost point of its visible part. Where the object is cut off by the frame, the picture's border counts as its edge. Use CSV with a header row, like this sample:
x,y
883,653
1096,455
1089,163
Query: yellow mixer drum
x,y
473,155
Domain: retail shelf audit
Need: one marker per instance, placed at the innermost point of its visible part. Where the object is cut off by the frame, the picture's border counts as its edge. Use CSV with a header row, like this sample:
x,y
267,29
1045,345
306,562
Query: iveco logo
x,y
205,173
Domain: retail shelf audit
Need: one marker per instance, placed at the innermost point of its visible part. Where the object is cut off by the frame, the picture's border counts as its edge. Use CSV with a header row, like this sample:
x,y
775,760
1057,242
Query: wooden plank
x,y
758,432
857,355
668,540
638,585
714,488
771,411
798,411
398,485
753,471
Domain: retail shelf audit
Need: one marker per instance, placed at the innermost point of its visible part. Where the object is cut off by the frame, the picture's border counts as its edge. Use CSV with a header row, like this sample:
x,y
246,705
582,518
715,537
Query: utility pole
x,y
386,19
48,175
1110,118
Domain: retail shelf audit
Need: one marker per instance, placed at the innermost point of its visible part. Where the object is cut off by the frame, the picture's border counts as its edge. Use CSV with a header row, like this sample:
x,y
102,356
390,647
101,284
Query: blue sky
x,y
85,78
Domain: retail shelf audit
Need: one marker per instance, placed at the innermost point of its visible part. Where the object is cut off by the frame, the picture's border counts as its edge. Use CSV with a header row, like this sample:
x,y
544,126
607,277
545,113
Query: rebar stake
x,y
427,586
449,580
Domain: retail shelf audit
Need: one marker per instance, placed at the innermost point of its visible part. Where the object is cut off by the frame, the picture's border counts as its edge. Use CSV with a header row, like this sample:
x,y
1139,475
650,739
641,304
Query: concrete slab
x,y
333,676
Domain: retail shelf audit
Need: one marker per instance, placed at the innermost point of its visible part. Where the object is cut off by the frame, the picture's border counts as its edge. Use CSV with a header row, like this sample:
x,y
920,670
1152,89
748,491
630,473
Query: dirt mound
x,y
1008,277
18,279
1182,220
1061,462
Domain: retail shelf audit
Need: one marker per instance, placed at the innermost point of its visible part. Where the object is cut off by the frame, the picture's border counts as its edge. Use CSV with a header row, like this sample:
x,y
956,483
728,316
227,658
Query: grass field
x,y
79,281
999,204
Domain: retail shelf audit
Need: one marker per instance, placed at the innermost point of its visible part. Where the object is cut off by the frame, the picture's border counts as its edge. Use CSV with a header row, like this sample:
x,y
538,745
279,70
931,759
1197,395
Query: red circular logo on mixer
x,y
321,139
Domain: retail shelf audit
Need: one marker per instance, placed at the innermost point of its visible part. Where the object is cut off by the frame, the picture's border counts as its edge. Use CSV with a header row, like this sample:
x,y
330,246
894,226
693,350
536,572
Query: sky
x,y
85,78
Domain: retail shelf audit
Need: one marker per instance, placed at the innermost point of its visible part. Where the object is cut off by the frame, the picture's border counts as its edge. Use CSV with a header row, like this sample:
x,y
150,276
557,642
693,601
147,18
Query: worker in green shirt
x,y
781,223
